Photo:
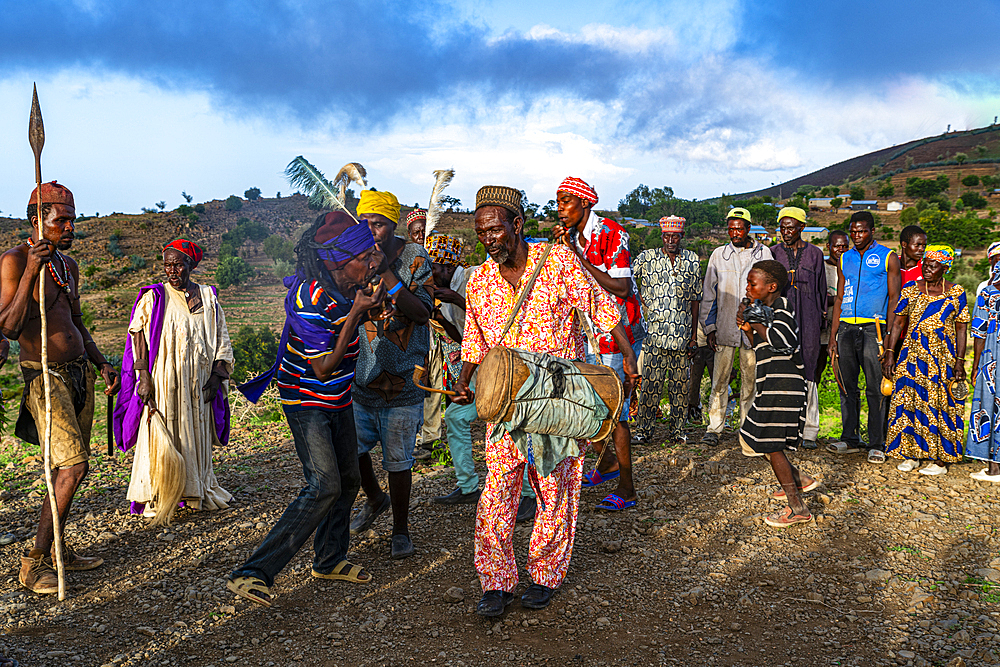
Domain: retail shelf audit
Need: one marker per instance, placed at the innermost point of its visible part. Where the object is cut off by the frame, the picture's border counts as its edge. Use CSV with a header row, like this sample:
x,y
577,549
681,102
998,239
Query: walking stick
x,y
36,137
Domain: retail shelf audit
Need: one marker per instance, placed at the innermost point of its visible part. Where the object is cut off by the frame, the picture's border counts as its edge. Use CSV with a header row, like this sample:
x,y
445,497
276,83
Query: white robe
x,y
190,344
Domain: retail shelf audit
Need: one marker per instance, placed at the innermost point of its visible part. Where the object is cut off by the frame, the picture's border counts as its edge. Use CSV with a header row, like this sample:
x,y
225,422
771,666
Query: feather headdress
x,y
304,176
442,178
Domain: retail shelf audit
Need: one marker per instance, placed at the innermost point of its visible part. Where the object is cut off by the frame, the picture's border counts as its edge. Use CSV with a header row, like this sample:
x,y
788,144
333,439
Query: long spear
x,y
36,137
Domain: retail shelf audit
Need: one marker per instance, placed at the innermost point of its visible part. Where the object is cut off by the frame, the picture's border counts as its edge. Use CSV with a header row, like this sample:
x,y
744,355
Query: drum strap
x,y
526,290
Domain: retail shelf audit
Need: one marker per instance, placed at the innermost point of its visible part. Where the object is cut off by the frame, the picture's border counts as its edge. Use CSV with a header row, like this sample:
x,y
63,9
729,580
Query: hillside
x,y
938,148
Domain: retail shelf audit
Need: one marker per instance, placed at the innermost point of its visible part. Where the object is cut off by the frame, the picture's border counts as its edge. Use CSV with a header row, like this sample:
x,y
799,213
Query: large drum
x,y
542,393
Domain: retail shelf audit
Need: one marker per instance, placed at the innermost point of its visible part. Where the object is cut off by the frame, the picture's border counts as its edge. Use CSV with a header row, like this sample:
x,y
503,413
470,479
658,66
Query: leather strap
x,y
524,292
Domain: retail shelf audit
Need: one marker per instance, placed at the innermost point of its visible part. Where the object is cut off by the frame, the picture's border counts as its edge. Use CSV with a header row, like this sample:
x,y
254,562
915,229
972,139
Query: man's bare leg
x,y
66,481
622,437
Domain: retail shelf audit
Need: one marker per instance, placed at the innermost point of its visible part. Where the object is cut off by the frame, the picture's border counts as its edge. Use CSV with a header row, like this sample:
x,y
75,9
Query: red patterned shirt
x,y
605,245
546,322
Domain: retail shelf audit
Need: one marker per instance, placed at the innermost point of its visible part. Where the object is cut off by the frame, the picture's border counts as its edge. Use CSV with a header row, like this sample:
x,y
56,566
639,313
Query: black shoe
x,y
456,497
364,519
710,439
526,509
537,597
421,454
493,603
402,546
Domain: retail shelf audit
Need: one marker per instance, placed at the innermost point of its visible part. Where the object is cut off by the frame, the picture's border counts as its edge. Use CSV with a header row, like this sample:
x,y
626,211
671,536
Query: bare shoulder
x,y
15,259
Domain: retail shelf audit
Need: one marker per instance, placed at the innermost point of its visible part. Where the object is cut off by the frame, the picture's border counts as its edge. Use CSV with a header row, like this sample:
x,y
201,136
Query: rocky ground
x,y
896,569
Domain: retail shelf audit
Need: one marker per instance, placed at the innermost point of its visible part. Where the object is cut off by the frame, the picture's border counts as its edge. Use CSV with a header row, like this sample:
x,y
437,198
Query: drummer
x,y
545,322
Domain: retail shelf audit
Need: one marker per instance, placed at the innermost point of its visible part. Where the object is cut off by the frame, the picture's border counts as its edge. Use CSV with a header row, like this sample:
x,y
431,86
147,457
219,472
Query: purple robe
x,y
128,411
806,294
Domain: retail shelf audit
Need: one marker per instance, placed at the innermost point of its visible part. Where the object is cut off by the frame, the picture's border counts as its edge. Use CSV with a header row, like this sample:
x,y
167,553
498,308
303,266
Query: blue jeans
x,y
458,419
395,428
328,449
616,362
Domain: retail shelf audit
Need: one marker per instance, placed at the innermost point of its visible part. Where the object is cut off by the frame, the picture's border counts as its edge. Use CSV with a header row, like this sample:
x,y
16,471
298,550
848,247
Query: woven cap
x,y
52,193
502,196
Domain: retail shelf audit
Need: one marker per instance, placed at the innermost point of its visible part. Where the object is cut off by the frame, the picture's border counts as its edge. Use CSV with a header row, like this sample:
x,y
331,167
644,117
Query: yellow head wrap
x,y
383,203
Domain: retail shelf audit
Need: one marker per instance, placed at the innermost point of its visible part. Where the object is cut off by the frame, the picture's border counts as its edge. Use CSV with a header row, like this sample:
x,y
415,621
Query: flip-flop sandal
x,y
780,493
841,448
251,588
338,573
785,518
615,503
594,478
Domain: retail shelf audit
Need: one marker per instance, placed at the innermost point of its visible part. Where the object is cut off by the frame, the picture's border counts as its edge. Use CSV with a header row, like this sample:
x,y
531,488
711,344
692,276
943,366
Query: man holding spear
x,y
51,212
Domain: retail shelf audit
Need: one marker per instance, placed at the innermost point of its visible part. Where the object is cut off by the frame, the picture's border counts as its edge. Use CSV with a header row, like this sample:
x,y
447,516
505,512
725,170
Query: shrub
x,y
137,262
278,248
989,181
857,192
926,187
232,271
199,208
116,235
887,189
283,268
254,350
973,200
252,194
909,216
192,216
90,270
81,234
226,249
970,181
87,315
24,234
233,203
114,249
184,210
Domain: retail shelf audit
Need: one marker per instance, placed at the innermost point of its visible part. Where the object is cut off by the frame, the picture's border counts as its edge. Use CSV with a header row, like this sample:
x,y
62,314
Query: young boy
x,y
777,415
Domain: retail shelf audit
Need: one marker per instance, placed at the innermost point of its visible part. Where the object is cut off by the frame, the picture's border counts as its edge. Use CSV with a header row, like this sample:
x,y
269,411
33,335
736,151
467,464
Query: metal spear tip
x,y
36,128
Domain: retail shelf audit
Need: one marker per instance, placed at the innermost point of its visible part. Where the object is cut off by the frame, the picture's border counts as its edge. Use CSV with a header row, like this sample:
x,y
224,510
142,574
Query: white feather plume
x,y
304,176
442,178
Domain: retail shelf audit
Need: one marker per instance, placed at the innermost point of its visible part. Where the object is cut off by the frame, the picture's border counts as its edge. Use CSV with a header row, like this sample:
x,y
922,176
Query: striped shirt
x,y
297,383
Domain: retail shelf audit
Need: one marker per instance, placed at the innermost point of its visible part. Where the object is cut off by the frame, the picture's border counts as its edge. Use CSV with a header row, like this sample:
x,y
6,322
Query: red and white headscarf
x,y
672,223
185,247
578,187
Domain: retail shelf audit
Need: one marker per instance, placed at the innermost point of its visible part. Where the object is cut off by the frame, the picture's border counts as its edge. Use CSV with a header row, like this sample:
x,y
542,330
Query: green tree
x,y
887,189
989,181
973,200
970,181
187,197
278,248
252,194
254,350
909,216
961,158
836,203
161,205
857,193
232,271
233,203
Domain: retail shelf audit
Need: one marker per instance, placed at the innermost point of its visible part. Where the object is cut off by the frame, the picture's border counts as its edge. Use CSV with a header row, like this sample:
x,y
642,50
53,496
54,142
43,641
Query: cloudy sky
x,y
143,100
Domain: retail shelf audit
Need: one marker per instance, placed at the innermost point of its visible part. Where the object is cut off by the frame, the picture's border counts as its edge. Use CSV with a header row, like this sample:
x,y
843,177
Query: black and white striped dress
x,y
778,413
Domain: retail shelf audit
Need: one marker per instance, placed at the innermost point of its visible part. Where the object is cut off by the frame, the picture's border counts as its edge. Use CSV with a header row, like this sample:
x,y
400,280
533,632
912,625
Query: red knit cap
x,y
579,187
189,248
52,193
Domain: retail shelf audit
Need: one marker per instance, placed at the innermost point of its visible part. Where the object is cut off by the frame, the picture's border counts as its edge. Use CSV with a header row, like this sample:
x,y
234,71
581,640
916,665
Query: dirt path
x,y
891,572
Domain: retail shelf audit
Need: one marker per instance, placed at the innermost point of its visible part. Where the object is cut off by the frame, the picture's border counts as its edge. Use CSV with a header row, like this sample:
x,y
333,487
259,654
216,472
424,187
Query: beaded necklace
x,y
63,283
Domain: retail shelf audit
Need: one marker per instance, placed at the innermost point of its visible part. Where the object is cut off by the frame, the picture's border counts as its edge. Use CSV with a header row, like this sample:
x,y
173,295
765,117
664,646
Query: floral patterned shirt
x,y
547,321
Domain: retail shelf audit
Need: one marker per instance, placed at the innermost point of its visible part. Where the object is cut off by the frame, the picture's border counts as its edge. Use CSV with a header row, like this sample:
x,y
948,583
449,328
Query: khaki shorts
x,y
70,427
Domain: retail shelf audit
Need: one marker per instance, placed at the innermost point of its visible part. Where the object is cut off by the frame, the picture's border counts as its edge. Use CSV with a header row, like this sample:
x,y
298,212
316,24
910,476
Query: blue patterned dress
x,y
983,442
924,421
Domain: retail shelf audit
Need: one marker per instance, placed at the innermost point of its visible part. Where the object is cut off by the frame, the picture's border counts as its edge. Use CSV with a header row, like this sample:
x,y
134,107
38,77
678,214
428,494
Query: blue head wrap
x,y
345,239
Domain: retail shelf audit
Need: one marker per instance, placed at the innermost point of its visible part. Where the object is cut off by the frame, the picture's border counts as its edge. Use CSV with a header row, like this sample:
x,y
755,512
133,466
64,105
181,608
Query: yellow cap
x,y
741,213
793,212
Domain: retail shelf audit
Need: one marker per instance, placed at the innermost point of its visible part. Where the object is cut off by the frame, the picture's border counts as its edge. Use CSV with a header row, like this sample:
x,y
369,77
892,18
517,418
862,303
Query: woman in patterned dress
x,y
925,420
983,442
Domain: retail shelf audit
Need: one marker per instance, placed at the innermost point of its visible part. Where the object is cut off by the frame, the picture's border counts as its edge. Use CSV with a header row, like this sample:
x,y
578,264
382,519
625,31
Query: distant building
x,y
812,233
864,205
894,206
819,203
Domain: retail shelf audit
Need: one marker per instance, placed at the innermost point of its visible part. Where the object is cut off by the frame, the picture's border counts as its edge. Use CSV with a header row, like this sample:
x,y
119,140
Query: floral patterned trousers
x,y
555,521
